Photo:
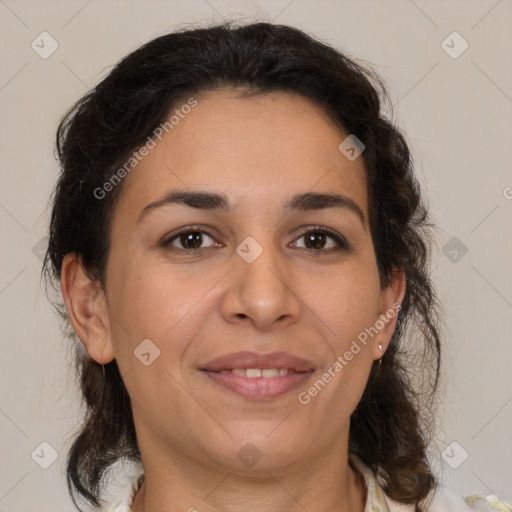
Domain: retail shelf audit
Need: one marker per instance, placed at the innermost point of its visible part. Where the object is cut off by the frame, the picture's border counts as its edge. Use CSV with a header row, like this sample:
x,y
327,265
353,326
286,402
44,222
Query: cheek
x,y
149,300
346,305
344,299
147,303
144,295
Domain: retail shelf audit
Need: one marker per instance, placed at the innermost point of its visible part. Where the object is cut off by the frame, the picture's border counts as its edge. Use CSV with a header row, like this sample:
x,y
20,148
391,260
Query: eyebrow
x,y
215,201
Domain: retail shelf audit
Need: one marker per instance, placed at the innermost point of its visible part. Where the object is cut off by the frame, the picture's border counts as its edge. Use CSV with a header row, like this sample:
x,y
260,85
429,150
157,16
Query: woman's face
x,y
245,279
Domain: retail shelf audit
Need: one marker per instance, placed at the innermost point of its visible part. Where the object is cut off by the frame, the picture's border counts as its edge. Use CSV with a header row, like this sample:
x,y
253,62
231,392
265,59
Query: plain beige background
x,y
456,113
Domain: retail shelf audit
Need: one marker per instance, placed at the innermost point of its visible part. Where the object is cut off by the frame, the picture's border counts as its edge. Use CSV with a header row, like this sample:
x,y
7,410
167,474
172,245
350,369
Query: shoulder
x,y
123,502
441,500
444,500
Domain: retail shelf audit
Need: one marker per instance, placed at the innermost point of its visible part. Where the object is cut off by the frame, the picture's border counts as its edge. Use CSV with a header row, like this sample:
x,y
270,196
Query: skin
x,y
199,305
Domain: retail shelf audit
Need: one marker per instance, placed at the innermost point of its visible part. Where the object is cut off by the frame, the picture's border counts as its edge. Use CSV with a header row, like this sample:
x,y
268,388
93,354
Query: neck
x,y
178,483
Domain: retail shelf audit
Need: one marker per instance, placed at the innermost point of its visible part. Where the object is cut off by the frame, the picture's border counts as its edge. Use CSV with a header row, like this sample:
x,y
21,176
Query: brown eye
x,y
317,239
188,240
192,240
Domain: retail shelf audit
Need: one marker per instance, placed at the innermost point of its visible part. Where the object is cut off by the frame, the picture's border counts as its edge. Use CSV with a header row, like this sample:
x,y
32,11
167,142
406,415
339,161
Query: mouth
x,y
258,376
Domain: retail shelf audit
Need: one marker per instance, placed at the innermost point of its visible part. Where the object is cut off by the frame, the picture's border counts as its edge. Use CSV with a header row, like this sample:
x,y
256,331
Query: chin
x,y
261,450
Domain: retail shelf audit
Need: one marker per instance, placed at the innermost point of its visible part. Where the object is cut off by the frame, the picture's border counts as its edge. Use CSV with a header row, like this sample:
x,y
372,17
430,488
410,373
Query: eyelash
x,y
340,240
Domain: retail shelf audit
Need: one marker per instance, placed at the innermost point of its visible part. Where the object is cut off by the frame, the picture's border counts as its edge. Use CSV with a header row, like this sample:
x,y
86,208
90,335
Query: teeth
x,y
253,373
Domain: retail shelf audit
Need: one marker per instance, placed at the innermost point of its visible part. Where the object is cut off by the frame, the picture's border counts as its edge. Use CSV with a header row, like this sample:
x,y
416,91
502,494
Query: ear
x,y
87,309
391,298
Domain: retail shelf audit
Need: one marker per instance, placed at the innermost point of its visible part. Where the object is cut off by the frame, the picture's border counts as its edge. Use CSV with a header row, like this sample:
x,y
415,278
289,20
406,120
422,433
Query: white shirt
x,y
376,499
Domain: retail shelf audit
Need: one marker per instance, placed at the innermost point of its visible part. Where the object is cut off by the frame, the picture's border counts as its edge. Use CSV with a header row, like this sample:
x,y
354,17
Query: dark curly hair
x,y
392,425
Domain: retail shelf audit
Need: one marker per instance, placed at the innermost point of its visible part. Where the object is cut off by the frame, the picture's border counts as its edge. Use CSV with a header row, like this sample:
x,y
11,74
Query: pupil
x,y
319,237
191,240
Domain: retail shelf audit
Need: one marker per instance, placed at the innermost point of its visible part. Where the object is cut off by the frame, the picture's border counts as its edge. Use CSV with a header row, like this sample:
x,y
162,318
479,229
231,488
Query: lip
x,y
259,387
249,359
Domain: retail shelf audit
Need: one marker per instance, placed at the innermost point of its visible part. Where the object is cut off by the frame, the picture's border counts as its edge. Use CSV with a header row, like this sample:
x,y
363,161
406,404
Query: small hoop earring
x,y
380,358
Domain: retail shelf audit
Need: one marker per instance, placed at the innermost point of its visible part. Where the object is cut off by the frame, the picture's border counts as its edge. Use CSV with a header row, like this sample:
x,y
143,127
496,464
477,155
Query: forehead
x,y
263,148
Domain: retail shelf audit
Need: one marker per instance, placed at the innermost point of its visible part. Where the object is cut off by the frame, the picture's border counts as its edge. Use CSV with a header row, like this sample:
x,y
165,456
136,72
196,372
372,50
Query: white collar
x,y
376,499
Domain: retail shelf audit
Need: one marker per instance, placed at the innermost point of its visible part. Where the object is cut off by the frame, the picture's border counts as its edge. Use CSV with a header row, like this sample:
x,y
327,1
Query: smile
x,y
254,373
259,383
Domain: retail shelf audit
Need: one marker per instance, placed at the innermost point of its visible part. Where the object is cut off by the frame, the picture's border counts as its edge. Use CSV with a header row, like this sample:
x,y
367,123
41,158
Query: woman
x,y
242,250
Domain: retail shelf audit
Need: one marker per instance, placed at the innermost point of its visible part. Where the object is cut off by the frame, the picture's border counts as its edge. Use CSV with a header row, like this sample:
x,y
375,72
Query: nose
x,y
261,292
